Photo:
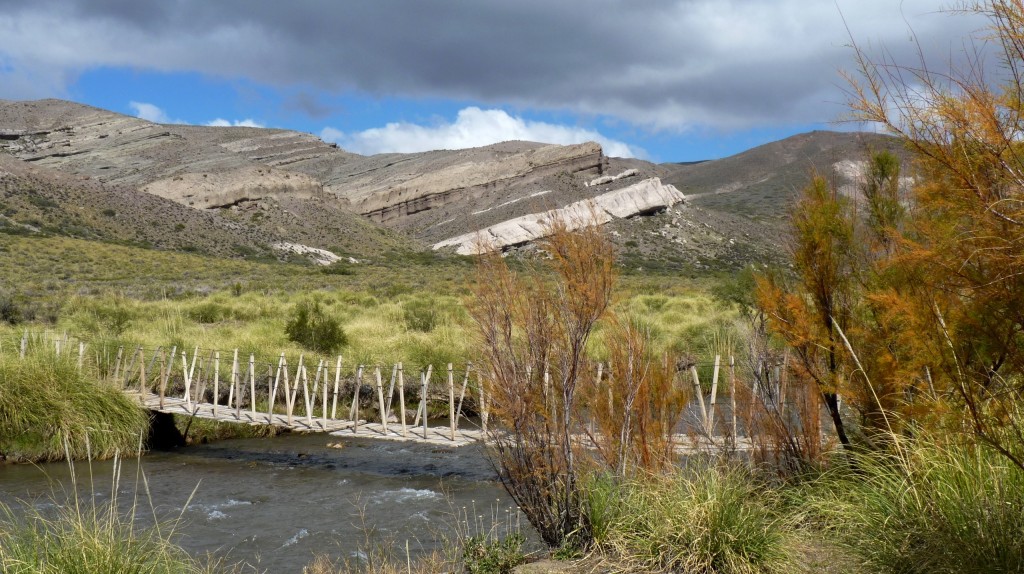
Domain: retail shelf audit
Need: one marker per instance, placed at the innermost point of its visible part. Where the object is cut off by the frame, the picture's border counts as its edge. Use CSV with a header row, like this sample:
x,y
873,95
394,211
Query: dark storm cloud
x,y
662,64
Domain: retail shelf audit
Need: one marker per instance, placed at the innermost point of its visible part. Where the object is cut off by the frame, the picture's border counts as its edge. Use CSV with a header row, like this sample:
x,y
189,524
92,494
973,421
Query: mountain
x,y
77,170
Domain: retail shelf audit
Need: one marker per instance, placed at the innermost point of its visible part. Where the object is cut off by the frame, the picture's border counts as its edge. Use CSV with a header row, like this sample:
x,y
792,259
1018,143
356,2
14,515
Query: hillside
x,y
71,169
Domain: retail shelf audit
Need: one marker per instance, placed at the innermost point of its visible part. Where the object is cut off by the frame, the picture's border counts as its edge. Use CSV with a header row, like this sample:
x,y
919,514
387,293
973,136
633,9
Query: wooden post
x,y
305,394
131,367
117,361
81,354
462,395
199,383
252,385
423,397
401,399
187,377
163,376
24,345
732,394
142,374
287,391
778,387
353,411
391,390
237,386
547,390
234,379
483,404
380,401
298,375
337,379
700,395
273,391
216,383
270,383
323,400
316,383
451,401
783,379
714,397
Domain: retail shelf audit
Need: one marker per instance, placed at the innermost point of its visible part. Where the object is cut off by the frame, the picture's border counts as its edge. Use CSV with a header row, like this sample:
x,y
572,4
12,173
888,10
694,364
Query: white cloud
x,y
156,114
151,113
473,127
246,123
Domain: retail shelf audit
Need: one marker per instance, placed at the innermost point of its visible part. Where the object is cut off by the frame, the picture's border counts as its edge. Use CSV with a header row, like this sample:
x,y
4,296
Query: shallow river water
x,y
275,503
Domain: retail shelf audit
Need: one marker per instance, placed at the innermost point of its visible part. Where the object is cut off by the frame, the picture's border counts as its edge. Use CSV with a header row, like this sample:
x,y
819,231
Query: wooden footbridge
x,y
304,397
362,401
291,398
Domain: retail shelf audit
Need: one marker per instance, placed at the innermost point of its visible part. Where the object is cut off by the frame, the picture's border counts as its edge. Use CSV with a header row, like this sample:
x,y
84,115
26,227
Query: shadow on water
x,y
275,503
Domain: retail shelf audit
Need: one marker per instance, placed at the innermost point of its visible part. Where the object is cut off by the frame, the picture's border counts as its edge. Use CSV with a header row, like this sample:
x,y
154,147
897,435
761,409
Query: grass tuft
x,y
708,519
932,508
45,400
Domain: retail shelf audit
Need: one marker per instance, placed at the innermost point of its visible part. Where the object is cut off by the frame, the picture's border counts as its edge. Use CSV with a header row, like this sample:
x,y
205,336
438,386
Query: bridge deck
x,y
340,428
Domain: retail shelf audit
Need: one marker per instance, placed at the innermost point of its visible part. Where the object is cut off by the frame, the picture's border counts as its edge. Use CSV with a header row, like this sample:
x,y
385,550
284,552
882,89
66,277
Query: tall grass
x,y
707,519
82,535
45,399
932,507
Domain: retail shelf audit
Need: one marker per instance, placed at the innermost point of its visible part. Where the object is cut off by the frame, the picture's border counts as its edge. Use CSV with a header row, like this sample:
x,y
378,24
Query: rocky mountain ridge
x,y
277,187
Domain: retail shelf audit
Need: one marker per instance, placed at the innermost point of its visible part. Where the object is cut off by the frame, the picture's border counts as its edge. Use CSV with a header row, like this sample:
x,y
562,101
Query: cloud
x,y
247,123
659,64
156,114
151,113
473,127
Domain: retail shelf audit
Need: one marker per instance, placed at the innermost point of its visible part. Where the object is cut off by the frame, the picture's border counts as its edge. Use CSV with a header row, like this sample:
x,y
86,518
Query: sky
x,y
663,80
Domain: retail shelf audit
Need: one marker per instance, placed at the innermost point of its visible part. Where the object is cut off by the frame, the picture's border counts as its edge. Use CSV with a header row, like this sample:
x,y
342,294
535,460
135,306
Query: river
x,y
275,503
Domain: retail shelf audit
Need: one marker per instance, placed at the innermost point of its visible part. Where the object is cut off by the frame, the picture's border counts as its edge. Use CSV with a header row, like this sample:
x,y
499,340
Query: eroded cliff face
x,y
475,178
231,188
647,196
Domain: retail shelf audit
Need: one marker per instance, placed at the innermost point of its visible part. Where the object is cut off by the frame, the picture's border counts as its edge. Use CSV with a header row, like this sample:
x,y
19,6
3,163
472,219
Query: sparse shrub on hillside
x,y
340,267
10,309
208,312
313,328
421,314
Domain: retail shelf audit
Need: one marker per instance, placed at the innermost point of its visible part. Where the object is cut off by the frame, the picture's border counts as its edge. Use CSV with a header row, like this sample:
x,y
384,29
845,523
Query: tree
x,y
928,302
561,414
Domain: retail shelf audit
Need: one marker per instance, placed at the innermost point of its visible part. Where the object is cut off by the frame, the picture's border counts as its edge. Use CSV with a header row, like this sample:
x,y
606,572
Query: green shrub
x,y
485,555
208,312
710,519
421,314
932,508
45,400
311,327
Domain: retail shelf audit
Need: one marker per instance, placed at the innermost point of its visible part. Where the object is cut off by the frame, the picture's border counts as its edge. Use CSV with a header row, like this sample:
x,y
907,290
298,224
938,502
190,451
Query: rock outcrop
x,y
227,188
645,197
471,179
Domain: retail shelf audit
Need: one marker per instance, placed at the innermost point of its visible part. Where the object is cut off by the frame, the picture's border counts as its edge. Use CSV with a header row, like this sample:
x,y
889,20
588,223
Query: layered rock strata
x,y
647,196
